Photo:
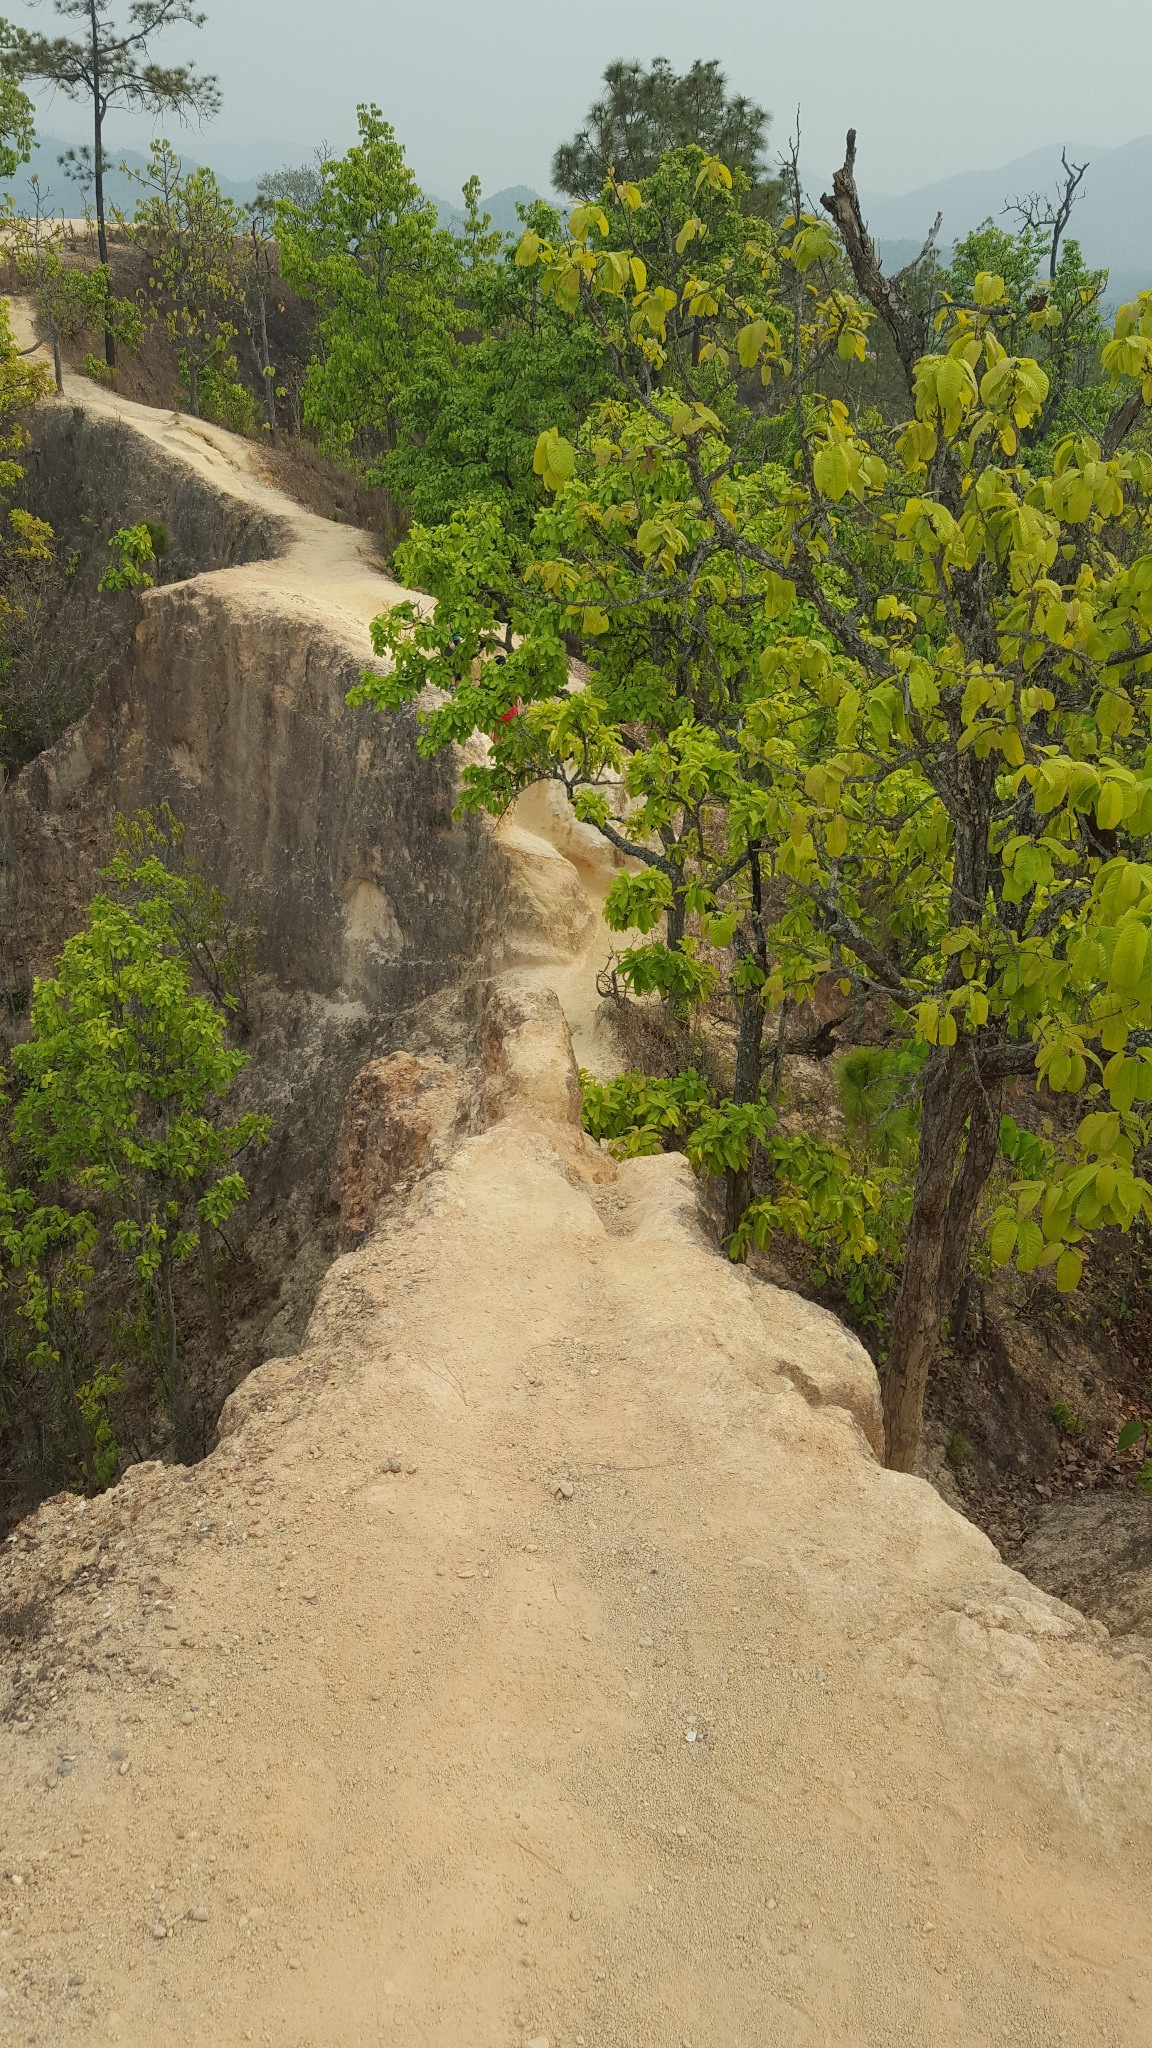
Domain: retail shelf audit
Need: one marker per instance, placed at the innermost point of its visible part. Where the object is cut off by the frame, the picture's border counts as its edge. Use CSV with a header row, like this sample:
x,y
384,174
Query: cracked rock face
x,y
403,1117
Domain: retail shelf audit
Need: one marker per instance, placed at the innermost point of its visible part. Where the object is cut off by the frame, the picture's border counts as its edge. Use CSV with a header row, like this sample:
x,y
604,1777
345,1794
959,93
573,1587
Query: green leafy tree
x,y
218,944
67,297
135,550
191,235
109,66
370,254
26,550
31,702
260,284
884,707
517,365
122,1079
1051,311
17,126
523,361
46,1266
647,112
22,383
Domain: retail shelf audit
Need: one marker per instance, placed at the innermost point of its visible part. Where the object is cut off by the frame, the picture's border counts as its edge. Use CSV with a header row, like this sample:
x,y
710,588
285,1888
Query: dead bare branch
x,y
883,293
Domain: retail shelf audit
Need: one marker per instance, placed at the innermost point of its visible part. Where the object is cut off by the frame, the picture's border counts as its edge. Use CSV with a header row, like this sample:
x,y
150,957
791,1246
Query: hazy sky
x,y
492,85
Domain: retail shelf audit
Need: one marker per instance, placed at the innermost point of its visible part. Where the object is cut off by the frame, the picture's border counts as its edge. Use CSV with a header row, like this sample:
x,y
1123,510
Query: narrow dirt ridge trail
x,y
324,561
533,1661
544,1657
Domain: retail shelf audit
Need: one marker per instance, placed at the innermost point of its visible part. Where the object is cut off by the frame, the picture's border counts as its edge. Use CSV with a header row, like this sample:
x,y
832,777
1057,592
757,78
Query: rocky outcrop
x,y
527,1053
822,1358
404,1116
322,823
223,694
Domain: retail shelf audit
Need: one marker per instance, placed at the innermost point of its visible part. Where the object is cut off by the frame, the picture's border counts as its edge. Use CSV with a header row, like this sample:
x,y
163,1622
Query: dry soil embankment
x,y
543,1654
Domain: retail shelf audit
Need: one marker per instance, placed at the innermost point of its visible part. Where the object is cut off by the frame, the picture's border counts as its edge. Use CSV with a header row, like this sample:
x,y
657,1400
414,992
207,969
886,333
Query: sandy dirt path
x,y
534,1662
544,1657
324,561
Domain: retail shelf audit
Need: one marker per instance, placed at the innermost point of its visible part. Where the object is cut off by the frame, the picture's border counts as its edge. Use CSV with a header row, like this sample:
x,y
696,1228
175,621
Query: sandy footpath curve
x,y
323,560
544,1657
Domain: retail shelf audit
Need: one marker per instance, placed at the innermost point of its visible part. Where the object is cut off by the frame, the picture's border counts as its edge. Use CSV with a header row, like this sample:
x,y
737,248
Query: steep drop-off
x,y
222,693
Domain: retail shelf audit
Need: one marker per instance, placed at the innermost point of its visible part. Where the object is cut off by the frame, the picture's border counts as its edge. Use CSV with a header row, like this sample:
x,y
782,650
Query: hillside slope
x,y
543,1655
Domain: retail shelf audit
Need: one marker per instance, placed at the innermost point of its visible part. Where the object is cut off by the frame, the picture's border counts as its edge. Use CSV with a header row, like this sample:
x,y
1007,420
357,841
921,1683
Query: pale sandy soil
x,y
545,1657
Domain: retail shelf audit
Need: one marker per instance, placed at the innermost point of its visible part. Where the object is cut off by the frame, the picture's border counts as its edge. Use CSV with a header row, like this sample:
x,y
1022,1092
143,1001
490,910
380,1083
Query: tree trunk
x,y
267,375
779,1048
194,389
98,170
943,1209
981,1148
674,921
175,1385
57,365
79,1422
211,1291
749,1068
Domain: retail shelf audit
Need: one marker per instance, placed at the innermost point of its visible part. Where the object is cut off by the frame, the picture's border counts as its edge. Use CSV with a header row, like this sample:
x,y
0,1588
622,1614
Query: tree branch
x,y
882,293
1121,421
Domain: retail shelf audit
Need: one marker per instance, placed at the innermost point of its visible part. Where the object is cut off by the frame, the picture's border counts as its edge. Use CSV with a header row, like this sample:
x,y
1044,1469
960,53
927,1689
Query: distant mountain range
x,y
1112,219
62,194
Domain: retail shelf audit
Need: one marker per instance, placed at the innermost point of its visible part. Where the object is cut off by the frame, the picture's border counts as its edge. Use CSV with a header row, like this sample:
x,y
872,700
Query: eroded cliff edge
x,y
222,693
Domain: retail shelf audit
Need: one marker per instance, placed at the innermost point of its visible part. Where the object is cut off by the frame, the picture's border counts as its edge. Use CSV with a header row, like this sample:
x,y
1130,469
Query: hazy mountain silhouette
x,y
1112,220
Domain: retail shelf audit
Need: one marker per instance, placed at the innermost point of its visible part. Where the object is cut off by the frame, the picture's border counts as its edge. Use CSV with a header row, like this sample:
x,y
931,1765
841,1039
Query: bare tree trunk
x,y
175,1384
57,365
211,1291
98,169
950,1090
267,374
749,1069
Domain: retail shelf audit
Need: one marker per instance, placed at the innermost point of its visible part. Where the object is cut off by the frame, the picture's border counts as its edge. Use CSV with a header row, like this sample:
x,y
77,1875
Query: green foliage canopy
x,y
115,1127
120,1076
17,126
645,113
899,685
517,364
190,233
370,254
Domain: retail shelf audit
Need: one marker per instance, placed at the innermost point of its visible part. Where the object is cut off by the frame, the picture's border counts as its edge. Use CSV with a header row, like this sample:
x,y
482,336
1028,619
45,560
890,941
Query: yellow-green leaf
x,y
1069,1267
